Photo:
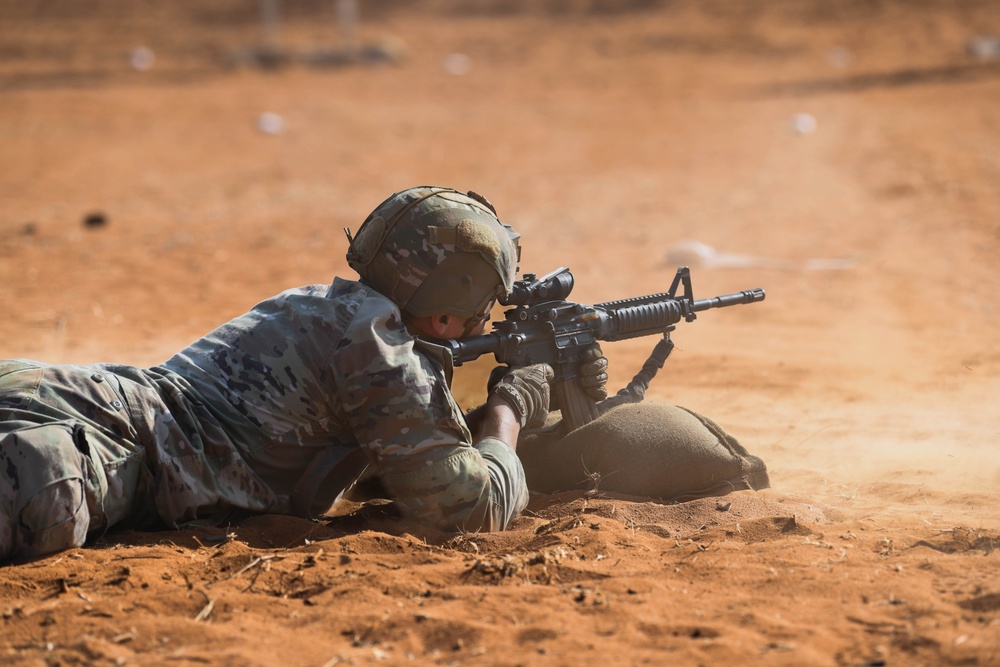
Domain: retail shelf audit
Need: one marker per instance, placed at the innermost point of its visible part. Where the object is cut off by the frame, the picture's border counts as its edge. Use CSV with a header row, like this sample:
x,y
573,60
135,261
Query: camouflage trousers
x,y
71,462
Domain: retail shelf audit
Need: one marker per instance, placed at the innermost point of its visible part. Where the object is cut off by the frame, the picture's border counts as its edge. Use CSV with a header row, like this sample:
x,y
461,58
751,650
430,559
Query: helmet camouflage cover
x,y
435,250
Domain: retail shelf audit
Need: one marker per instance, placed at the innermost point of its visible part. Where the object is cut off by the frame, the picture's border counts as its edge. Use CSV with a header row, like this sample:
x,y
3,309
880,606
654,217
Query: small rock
x,y
95,220
838,57
141,59
270,123
984,48
457,64
803,123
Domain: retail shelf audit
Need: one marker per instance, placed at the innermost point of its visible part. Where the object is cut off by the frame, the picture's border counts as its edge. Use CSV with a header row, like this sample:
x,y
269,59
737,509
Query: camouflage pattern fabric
x,y
70,459
235,419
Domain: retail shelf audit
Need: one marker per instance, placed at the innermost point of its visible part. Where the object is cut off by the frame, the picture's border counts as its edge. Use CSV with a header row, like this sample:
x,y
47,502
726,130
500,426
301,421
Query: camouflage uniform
x,y
280,410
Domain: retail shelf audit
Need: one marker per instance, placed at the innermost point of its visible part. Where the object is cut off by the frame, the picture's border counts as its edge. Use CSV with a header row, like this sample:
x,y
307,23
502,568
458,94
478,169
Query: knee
x,y
43,499
54,519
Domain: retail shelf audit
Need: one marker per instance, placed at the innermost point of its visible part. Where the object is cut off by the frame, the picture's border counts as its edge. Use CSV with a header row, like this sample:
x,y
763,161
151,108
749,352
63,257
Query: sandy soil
x,y
843,155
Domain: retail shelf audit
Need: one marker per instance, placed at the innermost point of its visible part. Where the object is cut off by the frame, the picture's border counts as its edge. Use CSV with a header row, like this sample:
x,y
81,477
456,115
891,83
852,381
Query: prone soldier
x,y
315,393
285,408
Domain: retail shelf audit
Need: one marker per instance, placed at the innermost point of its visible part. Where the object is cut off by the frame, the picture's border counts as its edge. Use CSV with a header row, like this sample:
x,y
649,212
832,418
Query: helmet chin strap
x,y
478,318
471,324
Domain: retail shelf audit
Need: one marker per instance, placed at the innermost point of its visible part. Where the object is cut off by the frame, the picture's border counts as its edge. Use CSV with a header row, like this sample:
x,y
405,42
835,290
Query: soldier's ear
x,y
439,324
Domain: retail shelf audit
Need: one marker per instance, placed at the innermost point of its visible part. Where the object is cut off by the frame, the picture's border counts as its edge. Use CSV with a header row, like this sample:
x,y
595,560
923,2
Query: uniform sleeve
x,y
397,402
469,489
508,484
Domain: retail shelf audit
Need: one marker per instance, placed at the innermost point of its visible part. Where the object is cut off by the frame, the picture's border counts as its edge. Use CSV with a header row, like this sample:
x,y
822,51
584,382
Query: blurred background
x,y
164,166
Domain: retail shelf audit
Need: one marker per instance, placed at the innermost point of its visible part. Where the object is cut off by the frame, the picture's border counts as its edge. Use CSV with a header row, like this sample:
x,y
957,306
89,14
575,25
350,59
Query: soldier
x,y
286,408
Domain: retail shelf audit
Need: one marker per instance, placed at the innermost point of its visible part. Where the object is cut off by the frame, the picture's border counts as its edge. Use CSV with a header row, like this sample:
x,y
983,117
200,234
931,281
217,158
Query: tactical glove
x,y
526,390
593,376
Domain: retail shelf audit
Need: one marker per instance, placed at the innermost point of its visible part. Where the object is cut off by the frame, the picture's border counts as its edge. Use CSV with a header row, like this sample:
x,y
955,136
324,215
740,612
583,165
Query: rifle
x,y
543,327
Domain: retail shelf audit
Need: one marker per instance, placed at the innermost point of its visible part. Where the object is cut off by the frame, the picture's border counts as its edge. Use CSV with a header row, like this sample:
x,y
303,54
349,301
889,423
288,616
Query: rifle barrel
x,y
746,296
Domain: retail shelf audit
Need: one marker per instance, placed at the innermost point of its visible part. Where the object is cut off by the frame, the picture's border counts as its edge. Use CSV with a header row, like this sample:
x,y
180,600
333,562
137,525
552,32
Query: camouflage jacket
x,y
285,407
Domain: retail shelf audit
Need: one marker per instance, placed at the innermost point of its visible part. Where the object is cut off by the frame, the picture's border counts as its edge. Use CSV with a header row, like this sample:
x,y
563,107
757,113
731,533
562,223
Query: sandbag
x,y
646,449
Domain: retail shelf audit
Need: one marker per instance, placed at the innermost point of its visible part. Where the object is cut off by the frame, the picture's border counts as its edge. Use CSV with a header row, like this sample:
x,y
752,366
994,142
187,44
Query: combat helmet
x,y
435,250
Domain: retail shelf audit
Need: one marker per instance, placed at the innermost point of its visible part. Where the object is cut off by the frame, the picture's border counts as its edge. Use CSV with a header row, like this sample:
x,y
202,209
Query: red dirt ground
x,y
864,133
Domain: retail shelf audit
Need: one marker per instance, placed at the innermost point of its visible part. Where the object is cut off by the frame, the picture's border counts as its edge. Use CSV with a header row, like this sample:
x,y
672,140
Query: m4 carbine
x,y
541,326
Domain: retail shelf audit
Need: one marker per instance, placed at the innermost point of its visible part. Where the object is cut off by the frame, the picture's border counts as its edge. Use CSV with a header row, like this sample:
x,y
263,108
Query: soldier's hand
x,y
527,390
593,376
